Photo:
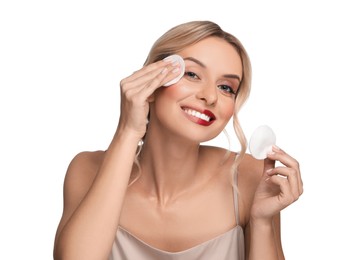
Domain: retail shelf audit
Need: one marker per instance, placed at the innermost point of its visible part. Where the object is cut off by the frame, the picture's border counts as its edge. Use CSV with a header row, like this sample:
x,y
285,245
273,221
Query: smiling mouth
x,y
206,115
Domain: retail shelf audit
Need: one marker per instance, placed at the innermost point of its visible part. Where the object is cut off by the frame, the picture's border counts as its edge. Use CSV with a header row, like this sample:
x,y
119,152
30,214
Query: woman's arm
x,y
92,205
278,188
264,240
92,208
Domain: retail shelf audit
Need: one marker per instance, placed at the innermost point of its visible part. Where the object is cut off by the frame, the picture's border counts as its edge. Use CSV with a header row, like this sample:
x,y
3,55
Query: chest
x,y
182,224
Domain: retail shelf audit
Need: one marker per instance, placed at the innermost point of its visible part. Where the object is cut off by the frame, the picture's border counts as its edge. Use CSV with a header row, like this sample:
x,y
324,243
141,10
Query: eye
x,y
227,89
191,75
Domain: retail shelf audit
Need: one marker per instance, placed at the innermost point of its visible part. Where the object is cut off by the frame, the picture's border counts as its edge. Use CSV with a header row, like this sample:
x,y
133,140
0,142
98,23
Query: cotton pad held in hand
x,y
180,60
261,142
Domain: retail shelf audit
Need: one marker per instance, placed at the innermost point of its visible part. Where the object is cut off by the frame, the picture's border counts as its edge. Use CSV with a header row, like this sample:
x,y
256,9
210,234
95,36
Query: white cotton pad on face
x,y
180,60
261,142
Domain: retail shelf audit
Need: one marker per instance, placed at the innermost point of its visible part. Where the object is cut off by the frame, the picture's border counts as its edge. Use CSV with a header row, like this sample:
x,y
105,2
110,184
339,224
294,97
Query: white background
x,y
60,67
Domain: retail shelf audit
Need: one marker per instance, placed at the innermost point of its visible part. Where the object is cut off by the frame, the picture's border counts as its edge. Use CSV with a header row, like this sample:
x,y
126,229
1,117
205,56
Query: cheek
x,y
176,91
173,93
167,97
227,110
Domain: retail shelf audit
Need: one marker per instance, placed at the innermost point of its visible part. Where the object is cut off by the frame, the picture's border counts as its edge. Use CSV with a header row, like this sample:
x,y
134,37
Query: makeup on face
x,y
176,58
233,79
204,118
261,142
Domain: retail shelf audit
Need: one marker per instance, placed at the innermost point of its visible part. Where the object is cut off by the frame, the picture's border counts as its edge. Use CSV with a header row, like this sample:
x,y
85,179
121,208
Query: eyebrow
x,y
196,61
234,76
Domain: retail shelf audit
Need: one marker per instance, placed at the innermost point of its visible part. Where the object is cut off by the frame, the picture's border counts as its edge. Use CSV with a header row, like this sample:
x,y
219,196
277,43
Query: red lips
x,y
199,120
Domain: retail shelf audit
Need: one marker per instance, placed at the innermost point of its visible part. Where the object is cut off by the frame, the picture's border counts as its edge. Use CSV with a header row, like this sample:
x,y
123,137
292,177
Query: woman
x,y
171,197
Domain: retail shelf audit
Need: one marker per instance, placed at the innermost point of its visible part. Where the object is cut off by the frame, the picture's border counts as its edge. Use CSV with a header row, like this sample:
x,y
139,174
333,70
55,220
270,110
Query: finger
x,y
156,66
151,70
268,165
137,83
291,176
165,76
153,79
285,197
278,154
170,72
140,94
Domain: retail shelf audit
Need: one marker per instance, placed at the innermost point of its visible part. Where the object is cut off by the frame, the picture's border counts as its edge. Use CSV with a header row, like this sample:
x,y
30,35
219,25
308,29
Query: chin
x,y
200,138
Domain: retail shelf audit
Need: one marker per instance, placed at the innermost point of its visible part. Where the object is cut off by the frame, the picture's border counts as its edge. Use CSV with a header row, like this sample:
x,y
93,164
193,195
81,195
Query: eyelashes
x,y
191,74
227,89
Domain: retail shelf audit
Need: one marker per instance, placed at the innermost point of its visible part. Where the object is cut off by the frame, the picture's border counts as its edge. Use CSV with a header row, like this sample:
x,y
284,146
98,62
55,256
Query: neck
x,y
169,166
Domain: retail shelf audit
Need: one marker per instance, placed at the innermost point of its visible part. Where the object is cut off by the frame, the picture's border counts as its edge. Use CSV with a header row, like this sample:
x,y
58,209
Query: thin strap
x,y
236,195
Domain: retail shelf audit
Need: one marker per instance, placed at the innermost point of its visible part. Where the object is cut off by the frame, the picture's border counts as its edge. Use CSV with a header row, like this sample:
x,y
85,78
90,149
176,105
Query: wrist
x,y
128,135
125,139
261,222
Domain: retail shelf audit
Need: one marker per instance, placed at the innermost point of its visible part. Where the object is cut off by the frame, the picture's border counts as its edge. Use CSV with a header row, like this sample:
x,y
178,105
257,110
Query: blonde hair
x,y
184,35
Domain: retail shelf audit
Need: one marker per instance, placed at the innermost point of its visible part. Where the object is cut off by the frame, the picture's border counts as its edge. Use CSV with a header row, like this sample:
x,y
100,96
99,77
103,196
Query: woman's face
x,y
200,105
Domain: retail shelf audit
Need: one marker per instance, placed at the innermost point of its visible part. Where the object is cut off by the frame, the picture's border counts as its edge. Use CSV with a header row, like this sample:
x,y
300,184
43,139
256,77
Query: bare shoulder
x,y
79,177
86,161
82,171
250,172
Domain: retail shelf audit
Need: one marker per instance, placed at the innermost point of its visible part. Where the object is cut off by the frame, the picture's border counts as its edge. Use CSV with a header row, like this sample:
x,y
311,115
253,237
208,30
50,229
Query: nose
x,y
208,94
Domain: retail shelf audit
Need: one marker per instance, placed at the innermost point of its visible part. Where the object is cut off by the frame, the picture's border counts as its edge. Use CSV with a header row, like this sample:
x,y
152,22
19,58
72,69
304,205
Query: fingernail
x,y
275,147
271,153
269,171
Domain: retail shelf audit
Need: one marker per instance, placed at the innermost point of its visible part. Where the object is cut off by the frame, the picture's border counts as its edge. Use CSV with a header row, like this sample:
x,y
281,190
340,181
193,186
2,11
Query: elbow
x,y
57,254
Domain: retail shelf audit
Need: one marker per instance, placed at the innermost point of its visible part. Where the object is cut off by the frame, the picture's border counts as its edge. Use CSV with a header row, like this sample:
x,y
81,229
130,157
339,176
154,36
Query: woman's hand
x,y
136,91
279,187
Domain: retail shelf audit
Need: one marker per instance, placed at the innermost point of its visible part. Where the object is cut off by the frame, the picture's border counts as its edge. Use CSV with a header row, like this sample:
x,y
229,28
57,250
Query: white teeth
x,y
197,114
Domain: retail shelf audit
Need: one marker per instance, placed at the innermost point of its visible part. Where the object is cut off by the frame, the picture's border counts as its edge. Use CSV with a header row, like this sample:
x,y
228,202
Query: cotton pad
x,y
180,60
261,142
